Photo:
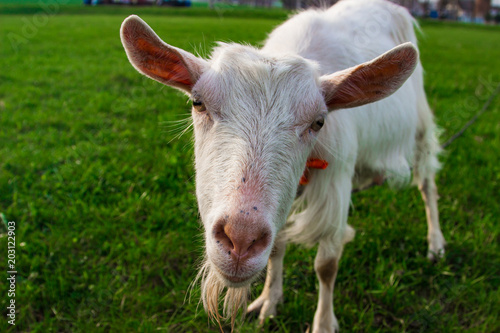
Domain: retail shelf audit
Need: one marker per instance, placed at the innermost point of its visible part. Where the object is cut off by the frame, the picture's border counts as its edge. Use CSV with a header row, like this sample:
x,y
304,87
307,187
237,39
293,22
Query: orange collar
x,y
312,163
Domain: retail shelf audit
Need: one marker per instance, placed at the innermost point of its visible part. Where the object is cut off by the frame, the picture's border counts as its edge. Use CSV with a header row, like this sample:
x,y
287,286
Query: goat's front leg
x,y
272,293
326,266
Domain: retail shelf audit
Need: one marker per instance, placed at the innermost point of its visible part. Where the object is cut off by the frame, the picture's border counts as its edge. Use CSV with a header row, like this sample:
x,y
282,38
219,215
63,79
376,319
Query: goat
x,y
343,85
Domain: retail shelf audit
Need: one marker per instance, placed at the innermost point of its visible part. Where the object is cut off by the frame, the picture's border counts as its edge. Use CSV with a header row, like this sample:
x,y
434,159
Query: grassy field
x,y
102,190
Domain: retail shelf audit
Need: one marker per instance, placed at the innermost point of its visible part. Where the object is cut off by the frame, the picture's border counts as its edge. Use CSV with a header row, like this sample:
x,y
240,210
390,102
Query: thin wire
x,y
473,119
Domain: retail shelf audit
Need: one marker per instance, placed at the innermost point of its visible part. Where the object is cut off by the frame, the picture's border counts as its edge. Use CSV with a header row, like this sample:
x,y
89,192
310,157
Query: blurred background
x,y
478,11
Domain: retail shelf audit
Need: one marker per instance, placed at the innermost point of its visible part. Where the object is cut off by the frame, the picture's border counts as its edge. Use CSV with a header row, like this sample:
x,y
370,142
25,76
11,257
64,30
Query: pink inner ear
x,y
368,83
371,81
162,63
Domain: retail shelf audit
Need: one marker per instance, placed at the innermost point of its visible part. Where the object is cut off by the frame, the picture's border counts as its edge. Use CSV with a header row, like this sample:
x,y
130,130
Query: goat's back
x,y
379,136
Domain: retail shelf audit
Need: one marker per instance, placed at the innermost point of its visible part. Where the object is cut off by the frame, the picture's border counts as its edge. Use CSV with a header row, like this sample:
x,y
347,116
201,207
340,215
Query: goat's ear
x,y
370,81
158,60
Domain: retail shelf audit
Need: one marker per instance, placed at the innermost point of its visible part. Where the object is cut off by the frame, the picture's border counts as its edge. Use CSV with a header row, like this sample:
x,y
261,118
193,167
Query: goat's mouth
x,y
236,280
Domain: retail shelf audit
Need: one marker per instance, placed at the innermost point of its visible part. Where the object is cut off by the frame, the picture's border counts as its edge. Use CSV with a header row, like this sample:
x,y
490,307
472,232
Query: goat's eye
x,y
199,106
318,123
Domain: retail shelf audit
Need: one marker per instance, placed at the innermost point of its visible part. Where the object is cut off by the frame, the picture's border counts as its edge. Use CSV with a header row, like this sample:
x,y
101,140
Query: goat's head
x,y
256,118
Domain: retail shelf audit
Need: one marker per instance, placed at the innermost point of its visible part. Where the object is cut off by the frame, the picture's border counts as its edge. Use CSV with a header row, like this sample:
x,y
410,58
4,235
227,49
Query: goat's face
x,y
256,118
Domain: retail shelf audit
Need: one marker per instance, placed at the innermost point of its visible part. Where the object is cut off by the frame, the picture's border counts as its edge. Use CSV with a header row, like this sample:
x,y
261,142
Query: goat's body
x,y
377,139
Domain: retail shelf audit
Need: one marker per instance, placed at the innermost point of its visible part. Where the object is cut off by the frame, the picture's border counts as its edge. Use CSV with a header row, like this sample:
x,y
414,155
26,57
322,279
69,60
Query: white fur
x,y
252,142
374,138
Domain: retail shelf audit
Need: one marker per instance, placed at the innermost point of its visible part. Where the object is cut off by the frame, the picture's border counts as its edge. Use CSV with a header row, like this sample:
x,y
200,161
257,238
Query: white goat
x,y
258,116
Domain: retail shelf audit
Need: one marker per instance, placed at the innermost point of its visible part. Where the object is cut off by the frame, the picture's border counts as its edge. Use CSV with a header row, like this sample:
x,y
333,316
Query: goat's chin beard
x,y
213,285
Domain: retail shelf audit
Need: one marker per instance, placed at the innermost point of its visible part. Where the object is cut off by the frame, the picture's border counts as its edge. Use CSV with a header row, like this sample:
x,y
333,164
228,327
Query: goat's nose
x,y
242,238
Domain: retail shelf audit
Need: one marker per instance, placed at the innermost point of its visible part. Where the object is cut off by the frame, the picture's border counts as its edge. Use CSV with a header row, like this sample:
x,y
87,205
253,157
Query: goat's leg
x,y
435,237
335,234
272,293
326,266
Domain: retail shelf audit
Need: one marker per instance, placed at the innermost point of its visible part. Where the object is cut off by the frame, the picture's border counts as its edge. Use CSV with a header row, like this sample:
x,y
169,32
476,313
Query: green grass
x,y
102,191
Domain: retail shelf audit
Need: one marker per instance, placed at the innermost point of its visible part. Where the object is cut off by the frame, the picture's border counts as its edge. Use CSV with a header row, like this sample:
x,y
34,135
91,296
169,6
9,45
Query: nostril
x,y
222,238
259,244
